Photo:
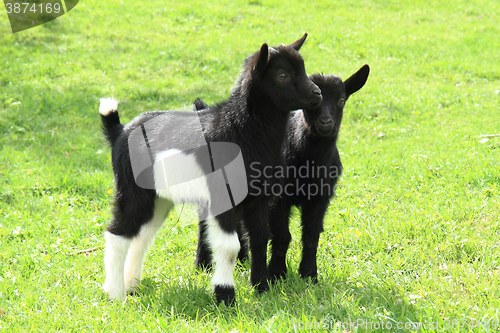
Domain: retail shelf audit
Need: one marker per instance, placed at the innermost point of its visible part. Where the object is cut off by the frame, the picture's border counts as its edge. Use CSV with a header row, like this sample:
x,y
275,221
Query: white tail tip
x,y
108,106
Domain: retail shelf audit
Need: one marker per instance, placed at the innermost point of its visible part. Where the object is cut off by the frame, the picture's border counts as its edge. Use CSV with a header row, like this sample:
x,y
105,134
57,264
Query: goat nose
x,y
316,91
325,120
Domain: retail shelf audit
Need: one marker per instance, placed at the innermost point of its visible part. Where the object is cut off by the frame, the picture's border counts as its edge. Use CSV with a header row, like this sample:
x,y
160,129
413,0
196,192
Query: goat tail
x,y
111,126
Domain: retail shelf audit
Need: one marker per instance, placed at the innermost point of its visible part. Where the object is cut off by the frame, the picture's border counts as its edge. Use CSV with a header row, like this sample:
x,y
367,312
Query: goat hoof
x,y
204,266
115,295
263,286
115,292
225,294
275,277
276,273
313,277
203,262
133,292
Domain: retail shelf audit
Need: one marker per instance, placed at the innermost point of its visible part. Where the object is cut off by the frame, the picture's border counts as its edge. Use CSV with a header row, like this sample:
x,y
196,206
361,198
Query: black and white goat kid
x,y
308,177
253,118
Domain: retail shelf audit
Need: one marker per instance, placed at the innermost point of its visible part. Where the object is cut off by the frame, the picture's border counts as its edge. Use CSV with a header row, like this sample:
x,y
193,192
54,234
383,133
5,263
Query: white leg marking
x,y
114,262
142,242
225,247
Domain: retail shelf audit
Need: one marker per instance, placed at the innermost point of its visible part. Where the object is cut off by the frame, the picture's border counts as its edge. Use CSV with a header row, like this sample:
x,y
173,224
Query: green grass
x,y
413,234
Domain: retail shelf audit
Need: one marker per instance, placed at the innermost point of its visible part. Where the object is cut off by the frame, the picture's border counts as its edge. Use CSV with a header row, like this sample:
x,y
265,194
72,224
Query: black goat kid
x,y
311,142
307,180
160,158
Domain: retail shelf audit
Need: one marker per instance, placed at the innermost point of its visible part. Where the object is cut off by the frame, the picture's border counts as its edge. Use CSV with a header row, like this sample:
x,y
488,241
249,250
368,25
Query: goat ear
x,y
199,105
261,65
357,80
298,43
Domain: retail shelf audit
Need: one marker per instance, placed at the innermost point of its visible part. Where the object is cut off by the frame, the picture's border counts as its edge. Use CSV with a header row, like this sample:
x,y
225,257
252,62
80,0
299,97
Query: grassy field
x,y
412,236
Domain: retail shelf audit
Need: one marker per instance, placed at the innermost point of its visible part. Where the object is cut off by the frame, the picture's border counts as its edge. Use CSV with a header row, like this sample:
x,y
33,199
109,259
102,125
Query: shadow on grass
x,y
328,302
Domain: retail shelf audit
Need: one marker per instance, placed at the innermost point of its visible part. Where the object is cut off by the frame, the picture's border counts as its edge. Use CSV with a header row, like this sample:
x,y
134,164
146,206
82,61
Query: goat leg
x,y
280,239
256,223
312,225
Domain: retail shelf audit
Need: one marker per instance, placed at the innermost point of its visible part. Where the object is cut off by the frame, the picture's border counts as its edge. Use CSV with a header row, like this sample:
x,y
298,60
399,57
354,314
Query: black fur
x,y
254,117
199,105
111,127
204,254
311,142
226,295
311,138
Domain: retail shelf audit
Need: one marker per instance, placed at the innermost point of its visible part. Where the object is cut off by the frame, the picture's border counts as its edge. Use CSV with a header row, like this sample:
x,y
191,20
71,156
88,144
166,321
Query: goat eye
x,y
342,101
282,76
